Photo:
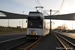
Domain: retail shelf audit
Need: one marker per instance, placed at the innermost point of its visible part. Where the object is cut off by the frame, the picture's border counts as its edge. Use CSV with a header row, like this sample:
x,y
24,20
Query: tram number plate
x,y
32,32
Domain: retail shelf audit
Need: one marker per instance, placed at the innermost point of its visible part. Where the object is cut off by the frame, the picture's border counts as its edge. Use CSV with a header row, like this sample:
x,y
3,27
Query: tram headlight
x,y
27,33
35,33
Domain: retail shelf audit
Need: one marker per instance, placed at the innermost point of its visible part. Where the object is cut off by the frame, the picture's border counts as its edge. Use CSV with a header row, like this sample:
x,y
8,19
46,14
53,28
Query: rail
x,y
25,45
64,42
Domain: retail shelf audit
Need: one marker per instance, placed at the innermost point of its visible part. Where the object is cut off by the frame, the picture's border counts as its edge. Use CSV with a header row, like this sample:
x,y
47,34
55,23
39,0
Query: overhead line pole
x,y
61,6
50,17
50,21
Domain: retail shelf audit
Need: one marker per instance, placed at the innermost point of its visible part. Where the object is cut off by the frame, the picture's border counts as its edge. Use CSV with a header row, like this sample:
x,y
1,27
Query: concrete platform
x,y
47,43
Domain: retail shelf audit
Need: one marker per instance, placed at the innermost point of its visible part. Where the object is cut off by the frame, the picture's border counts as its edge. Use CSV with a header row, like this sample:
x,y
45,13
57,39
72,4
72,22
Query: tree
x,y
62,27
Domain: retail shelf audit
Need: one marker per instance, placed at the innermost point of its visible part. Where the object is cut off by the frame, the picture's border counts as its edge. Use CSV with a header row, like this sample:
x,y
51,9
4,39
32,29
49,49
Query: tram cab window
x,y
41,23
35,22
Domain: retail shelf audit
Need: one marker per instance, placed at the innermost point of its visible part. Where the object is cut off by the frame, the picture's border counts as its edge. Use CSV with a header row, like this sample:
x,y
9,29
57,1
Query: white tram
x,y
36,26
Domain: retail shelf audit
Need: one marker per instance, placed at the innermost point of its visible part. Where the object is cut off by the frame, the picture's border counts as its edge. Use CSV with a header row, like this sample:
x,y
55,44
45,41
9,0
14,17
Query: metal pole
x,y
72,25
50,18
8,22
50,21
22,24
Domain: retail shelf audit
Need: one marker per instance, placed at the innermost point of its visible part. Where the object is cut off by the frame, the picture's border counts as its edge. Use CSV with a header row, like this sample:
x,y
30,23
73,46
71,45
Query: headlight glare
x,y
27,33
35,33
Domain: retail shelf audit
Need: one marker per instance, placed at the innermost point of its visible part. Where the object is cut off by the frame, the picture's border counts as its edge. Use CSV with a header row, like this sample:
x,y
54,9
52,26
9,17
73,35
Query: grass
x,y
12,29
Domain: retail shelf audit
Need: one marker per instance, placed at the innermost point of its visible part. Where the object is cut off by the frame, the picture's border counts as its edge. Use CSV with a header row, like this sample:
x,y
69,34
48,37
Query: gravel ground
x,y
24,45
49,42
6,45
68,38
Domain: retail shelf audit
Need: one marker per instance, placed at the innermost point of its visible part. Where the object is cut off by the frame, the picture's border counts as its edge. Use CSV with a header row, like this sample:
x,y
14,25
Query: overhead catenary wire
x,y
46,12
59,9
38,3
61,5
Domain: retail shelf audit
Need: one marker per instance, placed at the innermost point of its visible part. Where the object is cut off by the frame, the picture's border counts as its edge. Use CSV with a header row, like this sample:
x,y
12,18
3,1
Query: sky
x,y
18,6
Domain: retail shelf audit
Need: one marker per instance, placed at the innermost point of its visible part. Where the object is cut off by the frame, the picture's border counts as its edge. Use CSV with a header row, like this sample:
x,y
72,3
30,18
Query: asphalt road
x,y
9,36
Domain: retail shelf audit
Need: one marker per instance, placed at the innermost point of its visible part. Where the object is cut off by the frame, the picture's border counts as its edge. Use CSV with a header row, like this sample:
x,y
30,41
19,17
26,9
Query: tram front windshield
x,y
35,22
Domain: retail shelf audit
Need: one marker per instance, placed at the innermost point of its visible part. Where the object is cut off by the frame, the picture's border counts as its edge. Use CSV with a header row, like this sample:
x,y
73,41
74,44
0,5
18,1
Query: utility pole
x,y
50,21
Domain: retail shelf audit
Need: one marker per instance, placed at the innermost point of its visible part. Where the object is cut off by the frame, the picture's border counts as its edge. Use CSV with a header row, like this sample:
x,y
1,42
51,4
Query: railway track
x,y
65,43
25,45
8,44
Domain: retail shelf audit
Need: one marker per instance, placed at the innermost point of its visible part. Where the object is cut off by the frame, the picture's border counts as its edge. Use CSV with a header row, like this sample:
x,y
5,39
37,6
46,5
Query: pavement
x,y
49,42
9,36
